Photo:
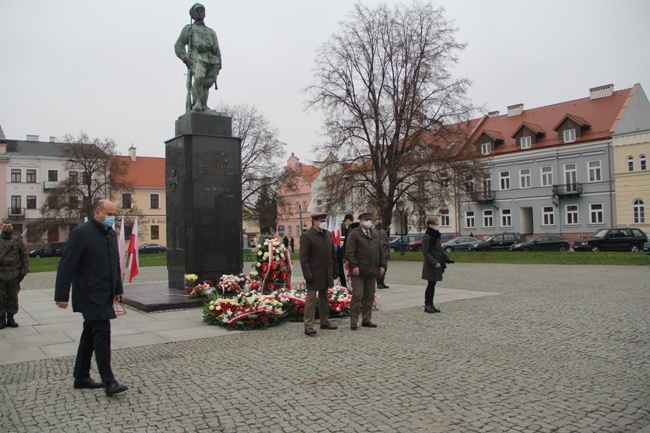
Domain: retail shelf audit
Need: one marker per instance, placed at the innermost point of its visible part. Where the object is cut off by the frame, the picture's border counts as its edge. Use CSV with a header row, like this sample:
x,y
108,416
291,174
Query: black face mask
x,y
378,226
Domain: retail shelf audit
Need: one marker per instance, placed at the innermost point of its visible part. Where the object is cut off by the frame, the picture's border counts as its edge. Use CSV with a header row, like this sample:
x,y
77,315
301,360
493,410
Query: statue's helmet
x,y
196,6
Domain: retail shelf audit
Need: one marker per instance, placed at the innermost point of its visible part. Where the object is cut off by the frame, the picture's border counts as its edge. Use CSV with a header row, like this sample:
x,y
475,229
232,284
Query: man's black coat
x,y
90,263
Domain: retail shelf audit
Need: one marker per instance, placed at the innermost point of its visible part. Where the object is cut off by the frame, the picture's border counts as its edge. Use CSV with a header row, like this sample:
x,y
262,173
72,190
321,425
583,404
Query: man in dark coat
x,y
435,262
14,265
379,229
90,263
364,253
317,259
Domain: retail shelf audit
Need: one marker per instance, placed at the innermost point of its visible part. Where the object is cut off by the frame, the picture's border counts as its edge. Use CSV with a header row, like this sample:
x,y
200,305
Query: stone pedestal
x,y
204,212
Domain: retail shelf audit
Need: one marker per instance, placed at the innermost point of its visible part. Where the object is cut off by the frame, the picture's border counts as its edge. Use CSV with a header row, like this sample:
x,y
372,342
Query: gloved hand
x,y
21,277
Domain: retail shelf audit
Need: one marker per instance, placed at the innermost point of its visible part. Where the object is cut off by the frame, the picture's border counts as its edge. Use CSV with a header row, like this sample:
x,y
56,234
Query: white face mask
x,y
367,224
323,225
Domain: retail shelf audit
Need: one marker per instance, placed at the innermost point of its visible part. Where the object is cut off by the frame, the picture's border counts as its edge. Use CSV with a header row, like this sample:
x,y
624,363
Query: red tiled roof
x,y
535,128
602,114
145,172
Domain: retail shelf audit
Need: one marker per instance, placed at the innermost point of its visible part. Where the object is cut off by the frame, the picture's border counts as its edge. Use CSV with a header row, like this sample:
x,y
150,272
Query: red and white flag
x,y
121,248
134,268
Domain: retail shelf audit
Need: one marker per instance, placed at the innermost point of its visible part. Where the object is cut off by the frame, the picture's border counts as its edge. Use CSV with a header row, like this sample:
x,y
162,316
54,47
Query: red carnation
x,y
265,267
285,276
274,275
281,262
271,286
274,265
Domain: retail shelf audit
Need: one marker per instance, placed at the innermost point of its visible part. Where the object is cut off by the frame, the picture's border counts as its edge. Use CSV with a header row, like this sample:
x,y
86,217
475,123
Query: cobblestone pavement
x,y
561,349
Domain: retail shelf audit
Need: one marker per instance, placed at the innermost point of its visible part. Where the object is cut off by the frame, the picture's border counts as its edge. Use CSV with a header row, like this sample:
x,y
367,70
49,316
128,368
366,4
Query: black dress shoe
x,y
369,325
114,387
310,332
354,327
435,310
87,382
429,309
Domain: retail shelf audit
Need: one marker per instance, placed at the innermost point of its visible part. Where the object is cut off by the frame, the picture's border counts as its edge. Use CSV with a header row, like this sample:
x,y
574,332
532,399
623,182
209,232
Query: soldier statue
x,y
14,265
202,58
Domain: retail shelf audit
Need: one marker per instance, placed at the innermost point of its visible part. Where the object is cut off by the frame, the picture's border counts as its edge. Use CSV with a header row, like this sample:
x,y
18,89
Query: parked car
x,y
53,249
459,244
151,248
612,240
417,245
542,243
401,243
501,241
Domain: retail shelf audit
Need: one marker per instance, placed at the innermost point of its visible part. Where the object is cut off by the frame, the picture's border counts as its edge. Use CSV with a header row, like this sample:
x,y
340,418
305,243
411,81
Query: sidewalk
x,y
48,332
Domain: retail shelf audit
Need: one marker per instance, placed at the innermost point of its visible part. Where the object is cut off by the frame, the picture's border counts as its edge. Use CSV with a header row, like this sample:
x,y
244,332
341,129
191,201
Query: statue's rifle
x,y
188,83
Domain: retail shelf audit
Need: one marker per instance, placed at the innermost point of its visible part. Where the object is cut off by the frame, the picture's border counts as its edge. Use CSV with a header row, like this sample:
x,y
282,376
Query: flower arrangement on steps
x,y
273,266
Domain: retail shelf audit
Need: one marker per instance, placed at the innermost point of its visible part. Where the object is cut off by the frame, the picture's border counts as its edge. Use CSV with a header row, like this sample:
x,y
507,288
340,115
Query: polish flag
x,y
134,268
121,248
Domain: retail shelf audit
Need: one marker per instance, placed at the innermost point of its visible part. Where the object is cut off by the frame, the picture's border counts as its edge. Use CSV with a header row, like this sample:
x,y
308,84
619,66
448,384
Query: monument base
x,y
157,296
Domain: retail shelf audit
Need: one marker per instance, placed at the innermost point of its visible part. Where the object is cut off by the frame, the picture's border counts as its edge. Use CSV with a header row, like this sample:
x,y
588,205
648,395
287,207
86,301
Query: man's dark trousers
x,y
95,337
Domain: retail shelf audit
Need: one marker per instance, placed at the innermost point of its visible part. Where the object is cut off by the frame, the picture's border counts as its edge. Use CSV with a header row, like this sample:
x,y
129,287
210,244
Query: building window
x,y
487,186
16,175
569,135
488,219
444,218
596,213
126,201
154,201
547,176
485,148
630,163
73,202
524,177
155,232
469,219
642,163
31,202
506,218
298,233
571,214
639,211
85,178
571,177
548,216
289,230
504,180
16,205
52,176
595,173
525,142
73,176
30,176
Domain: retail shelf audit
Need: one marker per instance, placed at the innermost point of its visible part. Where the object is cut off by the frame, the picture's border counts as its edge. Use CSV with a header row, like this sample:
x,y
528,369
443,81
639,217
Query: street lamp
x,y
300,214
400,211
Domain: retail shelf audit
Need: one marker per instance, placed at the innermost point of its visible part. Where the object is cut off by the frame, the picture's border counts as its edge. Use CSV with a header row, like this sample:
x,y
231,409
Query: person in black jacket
x,y
435,262
90,263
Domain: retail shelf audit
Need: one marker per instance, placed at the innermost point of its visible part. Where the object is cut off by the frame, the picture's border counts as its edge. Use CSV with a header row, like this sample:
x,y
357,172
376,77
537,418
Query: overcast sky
x,y
108,67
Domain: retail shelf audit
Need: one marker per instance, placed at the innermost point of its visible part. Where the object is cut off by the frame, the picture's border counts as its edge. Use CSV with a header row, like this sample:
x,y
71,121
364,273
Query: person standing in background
x,y
383,236
14,265
435,262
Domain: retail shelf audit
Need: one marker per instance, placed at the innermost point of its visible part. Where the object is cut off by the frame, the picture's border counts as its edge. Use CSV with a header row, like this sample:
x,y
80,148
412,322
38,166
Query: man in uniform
x,y
317,260
366,260
377,226
14,265
202,57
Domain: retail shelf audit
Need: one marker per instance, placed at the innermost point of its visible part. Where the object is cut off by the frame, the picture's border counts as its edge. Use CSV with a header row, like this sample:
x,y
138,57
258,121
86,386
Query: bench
x,y
646,252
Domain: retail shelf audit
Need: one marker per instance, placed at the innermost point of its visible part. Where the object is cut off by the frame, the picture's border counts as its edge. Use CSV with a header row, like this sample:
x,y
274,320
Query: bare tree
x,y
93,174
396,117
262,157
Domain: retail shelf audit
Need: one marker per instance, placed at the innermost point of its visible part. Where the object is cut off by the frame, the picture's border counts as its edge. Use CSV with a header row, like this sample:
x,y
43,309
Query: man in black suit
x,y
90,264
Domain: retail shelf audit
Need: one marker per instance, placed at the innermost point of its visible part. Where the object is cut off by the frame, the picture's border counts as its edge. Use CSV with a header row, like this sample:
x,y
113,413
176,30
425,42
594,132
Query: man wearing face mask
x,y
317,260
90,263
14,262
367,262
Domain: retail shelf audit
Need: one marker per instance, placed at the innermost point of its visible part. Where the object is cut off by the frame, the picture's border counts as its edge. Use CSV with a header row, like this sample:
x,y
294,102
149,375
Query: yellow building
x,y
147,175
631,154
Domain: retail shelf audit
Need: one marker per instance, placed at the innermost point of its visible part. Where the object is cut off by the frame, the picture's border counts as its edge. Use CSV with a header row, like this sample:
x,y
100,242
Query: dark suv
x,y
612,240
54,249
501,241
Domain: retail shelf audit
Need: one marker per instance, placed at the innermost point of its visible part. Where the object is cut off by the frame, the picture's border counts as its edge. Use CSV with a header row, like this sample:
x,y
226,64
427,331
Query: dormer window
x,y
525,142
527,135
569,135
486,148
488,141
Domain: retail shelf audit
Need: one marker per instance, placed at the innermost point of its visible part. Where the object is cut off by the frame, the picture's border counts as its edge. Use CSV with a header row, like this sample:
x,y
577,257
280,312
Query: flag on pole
x,y
133,251
121,248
